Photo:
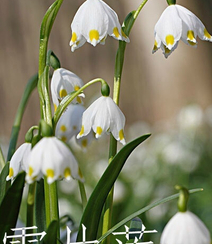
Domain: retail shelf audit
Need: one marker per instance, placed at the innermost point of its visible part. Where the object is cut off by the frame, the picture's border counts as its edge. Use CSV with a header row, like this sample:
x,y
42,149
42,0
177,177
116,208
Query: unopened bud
x,y
46,129
105,90
183,198
54,61
30,134
170,2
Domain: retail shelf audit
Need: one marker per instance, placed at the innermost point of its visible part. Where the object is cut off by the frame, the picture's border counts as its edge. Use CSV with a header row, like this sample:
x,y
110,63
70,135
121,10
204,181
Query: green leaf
x,y
93,210
142,210
128,23
31,84
10,205
3,183
51,233
46,26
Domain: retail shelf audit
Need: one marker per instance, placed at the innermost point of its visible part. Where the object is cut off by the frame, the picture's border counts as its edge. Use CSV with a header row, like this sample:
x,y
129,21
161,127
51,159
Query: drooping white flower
x,y
70,122
175,23
52,158
185,227
64,82
93,21
102,116
18,162
69,126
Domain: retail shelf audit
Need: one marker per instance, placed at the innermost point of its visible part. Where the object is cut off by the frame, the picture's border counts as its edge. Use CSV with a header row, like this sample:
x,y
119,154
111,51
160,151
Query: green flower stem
x,y
107,217
52,209
30,205
137,13
83,194
44,80
32,83
108,209
128,24
70,97
51,198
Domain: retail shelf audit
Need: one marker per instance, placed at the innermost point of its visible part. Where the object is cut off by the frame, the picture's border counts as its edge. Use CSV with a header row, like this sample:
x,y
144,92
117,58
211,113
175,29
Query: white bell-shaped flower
x,y
175,23
18,162
185,227
52,158
93,21
103,116
64,82
70,122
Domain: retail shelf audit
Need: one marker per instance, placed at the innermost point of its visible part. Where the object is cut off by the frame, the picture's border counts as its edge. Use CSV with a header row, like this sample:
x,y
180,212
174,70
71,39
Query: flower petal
x,y
185,227
194,23
117,121
103,116
93,21
94,24
169,27
70,122
52,158
157,43
88,118
114,28
17,161
64,82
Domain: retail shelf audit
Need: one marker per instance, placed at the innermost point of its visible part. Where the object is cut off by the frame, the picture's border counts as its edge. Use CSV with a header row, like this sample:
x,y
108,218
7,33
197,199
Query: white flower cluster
x,y
51,156
93,22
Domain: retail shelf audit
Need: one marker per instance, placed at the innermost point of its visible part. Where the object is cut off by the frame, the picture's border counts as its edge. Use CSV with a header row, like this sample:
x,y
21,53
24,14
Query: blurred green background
x,y
170,98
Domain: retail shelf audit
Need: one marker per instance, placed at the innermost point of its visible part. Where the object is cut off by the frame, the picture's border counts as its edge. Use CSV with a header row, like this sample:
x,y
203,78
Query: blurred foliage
x,y
178,152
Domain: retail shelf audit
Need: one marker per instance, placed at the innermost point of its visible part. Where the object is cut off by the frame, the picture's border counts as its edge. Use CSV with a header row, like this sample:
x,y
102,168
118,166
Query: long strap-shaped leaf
x,y
10,205
143,210
51,233
3,175
31,84
92,213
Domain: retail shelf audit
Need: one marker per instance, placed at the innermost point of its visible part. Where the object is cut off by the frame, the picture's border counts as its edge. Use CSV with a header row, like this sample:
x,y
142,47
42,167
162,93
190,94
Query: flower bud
x,y
29,136
46,130
105,90
170,2
183,198
54,61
